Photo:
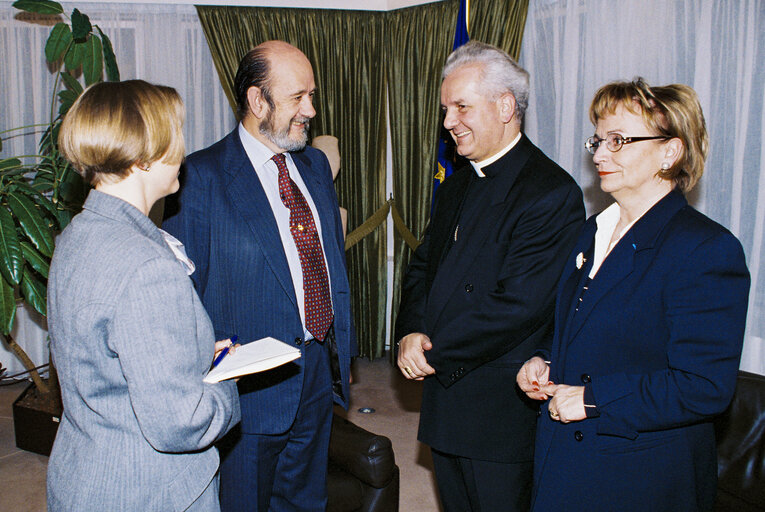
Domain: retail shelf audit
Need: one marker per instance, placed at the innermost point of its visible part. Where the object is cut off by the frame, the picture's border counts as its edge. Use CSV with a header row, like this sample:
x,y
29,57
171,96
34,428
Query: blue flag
x,y
445,145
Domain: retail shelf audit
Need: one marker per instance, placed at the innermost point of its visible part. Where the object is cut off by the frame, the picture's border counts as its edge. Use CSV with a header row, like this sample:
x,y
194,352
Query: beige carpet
x,y
376,384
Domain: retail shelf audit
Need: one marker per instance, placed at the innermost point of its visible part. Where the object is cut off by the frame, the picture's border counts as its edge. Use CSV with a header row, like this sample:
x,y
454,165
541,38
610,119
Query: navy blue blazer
x,y
658,339
224,219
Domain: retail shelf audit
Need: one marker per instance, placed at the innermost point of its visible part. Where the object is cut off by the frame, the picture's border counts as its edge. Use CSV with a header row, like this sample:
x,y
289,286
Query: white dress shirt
x,y
606,222
268,174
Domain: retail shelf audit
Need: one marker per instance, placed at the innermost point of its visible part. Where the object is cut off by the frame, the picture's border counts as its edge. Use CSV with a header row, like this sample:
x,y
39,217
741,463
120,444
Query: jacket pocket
x,y
645,441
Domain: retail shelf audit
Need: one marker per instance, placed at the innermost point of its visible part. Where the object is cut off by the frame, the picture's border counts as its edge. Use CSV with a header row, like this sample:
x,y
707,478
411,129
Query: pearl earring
x,y
665,166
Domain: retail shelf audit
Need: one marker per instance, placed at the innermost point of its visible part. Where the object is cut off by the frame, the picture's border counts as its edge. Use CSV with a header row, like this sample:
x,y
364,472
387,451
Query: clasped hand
x,y
411,356
566,403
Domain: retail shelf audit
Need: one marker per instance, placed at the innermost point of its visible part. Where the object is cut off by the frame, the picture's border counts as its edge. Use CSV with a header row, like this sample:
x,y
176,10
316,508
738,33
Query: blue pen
x,y
224,351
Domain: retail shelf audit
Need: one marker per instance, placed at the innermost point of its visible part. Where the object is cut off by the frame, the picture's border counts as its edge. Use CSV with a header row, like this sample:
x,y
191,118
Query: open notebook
x,y
253,357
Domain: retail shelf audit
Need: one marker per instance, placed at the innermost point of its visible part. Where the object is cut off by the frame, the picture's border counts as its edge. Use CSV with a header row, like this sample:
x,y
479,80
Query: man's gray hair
x,y
500,74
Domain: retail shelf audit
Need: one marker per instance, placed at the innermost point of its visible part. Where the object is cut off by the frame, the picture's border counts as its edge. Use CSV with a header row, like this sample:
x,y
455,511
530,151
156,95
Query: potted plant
x,y
39,194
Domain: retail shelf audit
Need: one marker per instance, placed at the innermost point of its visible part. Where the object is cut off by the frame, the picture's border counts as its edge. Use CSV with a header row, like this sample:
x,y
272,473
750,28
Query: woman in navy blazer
x,y
129,335
649,322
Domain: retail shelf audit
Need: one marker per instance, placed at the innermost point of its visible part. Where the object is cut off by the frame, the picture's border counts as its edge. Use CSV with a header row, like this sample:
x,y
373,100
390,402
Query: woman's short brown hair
x,y
673,111
114,125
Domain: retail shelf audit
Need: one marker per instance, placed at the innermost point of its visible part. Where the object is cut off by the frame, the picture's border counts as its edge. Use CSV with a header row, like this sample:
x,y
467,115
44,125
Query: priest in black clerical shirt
x,y
478,296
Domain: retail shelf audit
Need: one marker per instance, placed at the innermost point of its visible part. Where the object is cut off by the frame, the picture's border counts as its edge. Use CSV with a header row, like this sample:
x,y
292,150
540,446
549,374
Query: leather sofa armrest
x,y
740,450
367,456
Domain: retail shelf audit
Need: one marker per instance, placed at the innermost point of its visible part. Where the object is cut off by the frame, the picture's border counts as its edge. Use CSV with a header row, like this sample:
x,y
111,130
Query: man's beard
x,y
282,138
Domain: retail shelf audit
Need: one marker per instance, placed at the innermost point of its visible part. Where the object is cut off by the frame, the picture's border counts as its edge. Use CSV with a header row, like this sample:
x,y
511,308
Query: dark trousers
x,y
471,485
288,471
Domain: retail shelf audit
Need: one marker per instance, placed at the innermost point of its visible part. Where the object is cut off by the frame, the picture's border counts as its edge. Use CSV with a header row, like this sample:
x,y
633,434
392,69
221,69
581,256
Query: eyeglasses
x,y
614,142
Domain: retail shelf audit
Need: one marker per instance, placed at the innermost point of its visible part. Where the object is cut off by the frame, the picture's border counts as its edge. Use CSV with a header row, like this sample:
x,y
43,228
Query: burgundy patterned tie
x,y
318,304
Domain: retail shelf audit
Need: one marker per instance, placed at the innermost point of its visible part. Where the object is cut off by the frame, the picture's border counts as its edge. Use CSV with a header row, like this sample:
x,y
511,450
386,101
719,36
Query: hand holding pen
x,y
224,347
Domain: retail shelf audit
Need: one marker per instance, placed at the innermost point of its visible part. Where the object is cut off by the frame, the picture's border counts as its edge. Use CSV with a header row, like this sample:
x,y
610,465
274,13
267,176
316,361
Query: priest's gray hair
x,y
500,74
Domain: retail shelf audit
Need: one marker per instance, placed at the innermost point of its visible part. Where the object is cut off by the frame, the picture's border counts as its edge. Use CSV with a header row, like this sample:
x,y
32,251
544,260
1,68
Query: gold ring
x,y
553,414
408,371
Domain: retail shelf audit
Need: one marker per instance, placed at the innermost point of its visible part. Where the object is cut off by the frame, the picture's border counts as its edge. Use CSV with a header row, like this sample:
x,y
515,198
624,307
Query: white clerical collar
x,y
257,152
477,166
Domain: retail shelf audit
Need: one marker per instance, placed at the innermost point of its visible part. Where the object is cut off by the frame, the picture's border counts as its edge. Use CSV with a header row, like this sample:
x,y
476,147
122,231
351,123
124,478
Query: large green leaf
x,y
39,6
74,57
64,218
16,171
81,26
7,307
49,140
39,198
9,163
71,83
11,259
93,62
35,227
43,184
58,41
44,202
110,60
36,260
34,292
67,98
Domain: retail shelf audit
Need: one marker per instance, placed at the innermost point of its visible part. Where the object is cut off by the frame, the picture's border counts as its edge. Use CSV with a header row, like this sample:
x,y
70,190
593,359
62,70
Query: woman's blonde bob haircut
x,y
672,111
115,125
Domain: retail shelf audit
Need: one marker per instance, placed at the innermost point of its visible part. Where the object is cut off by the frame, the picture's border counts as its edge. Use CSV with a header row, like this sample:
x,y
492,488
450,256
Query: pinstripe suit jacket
x,y
223,217
131,342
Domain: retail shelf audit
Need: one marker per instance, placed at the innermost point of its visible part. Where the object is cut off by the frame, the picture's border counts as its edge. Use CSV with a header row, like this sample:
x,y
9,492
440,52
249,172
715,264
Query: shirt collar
x,y
479,166
258,153
607,219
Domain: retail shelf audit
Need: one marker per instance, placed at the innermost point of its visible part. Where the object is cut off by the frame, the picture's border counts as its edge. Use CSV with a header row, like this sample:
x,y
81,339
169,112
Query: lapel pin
x,y
580,259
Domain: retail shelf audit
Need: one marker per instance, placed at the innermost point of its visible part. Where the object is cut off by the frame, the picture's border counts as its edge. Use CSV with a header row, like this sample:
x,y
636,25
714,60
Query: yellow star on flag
x,y
441,174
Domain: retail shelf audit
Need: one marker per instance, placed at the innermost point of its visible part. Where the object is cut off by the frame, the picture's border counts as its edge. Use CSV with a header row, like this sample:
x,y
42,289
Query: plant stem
x,y
23,127
30,156
28,364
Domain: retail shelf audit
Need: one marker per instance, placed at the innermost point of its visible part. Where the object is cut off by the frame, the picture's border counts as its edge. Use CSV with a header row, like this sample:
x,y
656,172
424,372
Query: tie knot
x,y
280,160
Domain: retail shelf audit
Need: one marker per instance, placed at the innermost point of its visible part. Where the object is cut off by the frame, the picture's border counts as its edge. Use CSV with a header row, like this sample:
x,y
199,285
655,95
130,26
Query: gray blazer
x,y
132,343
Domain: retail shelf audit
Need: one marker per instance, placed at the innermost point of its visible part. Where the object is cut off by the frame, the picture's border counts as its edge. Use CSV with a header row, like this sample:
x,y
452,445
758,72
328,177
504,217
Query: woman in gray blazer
x,y
129,336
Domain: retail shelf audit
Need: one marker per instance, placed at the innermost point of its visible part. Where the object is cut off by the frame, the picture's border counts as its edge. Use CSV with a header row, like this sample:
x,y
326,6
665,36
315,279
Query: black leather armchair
x,y
741,448
363,476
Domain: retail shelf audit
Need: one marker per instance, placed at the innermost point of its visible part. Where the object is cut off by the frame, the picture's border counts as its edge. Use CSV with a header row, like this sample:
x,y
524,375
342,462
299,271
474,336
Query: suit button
x,y
298,341
468,287
585,378
578,435
539,412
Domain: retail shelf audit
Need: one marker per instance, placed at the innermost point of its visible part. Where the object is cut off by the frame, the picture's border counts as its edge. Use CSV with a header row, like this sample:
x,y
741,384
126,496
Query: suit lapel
x,y
248,197
620,263
615,268
572,280
476,232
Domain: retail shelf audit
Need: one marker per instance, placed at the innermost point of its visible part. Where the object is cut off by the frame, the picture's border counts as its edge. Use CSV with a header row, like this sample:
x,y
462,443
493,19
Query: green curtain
x,y
419,40
346,50
499,22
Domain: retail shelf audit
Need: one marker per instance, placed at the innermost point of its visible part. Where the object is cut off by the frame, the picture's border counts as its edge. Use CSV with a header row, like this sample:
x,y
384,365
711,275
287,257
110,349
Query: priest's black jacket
x,y
482,286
